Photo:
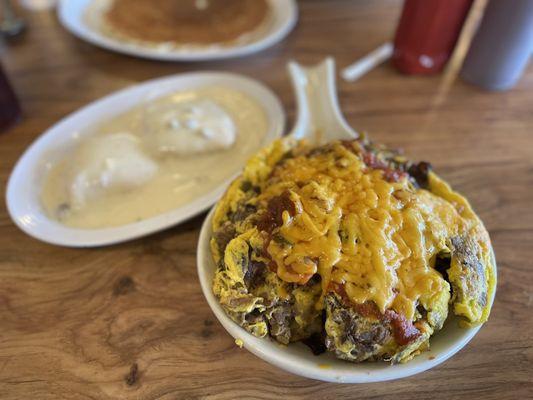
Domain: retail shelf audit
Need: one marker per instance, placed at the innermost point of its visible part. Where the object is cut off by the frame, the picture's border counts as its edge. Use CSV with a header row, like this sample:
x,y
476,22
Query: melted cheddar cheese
x,y
389,232
377,238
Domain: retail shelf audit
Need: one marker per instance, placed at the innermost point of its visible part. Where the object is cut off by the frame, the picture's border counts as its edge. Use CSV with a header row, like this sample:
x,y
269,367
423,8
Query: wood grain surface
x,y
130,322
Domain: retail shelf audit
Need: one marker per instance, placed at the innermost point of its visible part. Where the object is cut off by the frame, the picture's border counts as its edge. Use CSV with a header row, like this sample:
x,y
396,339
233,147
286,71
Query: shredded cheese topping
x,y
375,237
353,227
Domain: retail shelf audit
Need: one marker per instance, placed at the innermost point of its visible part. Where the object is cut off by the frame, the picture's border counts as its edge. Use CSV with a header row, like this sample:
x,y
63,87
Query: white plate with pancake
x,y
84,19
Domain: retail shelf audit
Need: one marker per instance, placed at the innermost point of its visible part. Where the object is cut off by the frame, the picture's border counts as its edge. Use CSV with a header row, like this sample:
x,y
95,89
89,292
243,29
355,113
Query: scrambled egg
x,y
350,248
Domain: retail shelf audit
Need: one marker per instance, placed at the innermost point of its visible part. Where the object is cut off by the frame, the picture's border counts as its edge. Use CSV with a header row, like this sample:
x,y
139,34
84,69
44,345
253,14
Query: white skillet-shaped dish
x,y
283,17
318,109
25,183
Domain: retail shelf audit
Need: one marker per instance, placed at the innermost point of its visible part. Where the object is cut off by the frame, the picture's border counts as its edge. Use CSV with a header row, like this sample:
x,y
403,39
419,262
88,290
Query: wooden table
x,y
130,321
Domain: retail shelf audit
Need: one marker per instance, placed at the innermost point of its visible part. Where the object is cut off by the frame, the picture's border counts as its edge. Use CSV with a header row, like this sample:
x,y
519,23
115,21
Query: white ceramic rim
x,y
297,358
70,13
22,195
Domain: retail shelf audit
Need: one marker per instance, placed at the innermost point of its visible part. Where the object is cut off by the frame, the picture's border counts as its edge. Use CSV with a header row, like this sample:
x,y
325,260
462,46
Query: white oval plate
x,y
298,359
284,15
25,182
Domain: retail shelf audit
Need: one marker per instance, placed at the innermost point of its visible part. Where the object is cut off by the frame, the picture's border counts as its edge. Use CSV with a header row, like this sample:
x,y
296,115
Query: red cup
x,y
9,105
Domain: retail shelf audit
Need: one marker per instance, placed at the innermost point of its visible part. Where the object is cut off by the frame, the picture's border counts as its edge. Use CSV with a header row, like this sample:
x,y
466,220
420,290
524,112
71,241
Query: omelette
x,y
350,248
